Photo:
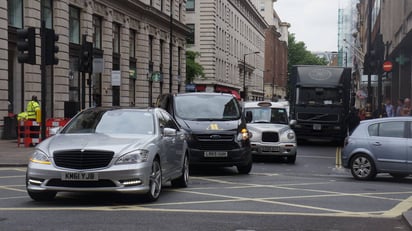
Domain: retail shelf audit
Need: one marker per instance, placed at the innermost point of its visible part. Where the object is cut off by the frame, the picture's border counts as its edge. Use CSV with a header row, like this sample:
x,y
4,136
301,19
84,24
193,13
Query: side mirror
x,y
169,132
54,130
293,123
249,116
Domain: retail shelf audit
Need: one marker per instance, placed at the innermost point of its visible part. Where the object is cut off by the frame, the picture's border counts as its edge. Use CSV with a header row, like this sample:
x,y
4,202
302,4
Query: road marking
x,y
6,177
400,208
338,157
12,189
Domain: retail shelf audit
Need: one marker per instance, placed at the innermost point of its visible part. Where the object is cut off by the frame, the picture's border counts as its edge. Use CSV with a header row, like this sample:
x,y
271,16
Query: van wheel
x,y
245,169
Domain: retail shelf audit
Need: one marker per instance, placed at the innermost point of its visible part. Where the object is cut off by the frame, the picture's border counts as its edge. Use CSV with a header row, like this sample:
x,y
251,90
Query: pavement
x,y
13,155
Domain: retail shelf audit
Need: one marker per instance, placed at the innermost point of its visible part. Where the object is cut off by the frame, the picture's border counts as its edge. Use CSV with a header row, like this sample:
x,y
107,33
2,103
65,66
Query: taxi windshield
x,y
268,115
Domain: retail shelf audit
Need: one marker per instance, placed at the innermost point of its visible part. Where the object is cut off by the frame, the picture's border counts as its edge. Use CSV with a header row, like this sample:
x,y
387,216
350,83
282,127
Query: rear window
x,y
207,107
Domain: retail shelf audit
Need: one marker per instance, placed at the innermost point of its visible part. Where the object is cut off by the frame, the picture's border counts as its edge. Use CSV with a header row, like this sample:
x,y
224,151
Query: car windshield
x,y
207,107
112,122
319,96
268,115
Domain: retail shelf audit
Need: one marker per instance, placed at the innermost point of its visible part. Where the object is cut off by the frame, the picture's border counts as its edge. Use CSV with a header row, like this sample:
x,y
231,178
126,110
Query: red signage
x,y
387,66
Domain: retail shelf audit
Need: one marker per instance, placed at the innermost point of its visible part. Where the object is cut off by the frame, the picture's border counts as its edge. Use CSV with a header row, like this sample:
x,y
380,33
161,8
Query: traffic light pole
x,y
43,80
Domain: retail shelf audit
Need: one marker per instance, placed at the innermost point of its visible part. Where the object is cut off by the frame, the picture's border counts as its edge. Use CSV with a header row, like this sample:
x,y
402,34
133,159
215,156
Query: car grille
x,y
270,137
77,159
81,184
214,142
317,117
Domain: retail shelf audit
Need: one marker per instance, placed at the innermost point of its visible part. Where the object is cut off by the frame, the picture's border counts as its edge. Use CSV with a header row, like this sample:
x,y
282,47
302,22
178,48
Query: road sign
x,y
387,66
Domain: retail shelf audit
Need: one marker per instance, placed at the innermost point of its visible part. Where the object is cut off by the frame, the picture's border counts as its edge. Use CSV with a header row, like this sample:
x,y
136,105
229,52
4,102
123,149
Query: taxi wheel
x,y
183,180
291,159
155,182
42,196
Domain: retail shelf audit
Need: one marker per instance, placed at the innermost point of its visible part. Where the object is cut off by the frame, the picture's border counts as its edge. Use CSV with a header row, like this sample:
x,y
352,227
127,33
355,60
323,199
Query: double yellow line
x,y
338,157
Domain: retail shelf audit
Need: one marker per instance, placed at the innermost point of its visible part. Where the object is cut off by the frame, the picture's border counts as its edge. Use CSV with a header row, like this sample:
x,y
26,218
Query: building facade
x,y
390,20
138,53
230,37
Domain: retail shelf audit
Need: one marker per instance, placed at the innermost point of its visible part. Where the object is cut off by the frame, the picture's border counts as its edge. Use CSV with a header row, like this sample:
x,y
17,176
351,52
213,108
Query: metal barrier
x,y
29,131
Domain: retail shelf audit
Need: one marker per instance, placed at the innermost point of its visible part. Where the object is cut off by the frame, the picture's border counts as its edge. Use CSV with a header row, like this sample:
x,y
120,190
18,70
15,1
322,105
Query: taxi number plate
x,y
80,176
317,127
215,154
270,149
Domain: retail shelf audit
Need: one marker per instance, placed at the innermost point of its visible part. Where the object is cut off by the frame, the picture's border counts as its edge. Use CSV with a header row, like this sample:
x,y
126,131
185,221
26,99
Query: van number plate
x,y
215,154
317,127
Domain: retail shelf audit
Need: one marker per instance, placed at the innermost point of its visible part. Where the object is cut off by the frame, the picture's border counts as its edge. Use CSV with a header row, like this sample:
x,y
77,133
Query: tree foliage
x,y
193,69
299,55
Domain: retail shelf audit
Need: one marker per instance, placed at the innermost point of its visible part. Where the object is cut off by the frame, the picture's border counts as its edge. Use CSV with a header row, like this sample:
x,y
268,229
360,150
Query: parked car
x,y
270,128
111,149
216,126
379,146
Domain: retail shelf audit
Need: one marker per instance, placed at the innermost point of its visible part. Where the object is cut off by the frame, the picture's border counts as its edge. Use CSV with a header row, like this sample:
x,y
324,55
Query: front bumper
x,y
273,149
235,157
128,178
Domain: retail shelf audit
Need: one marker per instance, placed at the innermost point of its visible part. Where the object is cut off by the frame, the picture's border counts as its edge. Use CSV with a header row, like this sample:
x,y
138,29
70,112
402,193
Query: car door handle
x,y
377,144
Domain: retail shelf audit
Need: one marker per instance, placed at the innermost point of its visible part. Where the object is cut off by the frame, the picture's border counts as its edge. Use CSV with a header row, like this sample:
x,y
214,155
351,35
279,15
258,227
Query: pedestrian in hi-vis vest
x,y
32,110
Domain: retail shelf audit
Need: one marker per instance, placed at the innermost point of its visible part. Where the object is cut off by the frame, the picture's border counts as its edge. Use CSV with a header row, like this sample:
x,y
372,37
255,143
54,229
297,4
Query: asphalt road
x,y
313,194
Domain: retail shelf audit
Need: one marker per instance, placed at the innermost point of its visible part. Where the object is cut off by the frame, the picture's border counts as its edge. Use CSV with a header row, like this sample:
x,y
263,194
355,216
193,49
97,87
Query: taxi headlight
x,y
39,157
291,135
134,157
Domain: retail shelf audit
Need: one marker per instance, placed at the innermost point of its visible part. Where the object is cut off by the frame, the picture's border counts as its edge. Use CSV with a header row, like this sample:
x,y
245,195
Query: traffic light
x,y
26,45
86,57
51,48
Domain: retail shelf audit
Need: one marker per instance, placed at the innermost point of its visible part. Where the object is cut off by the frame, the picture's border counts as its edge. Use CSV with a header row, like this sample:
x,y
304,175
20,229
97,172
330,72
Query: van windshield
x,y
207,107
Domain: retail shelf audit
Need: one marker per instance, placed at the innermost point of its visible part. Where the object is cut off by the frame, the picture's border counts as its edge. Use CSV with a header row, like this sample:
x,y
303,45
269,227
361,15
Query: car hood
x,y
212,126
261,127
119,144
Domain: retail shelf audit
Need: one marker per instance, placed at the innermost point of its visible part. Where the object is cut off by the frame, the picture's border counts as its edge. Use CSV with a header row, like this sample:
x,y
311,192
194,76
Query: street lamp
x,y
244,72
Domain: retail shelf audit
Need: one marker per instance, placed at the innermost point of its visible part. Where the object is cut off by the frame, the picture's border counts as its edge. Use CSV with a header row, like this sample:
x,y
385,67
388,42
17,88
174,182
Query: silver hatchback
x,y
111,149
379,146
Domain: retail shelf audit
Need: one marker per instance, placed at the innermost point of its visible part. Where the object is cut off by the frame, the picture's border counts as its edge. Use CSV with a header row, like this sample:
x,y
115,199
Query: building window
x,y
190,5
74,25
161,5
262,5
47,13
132,44
116,38
15,13
191,38
150,48
97,32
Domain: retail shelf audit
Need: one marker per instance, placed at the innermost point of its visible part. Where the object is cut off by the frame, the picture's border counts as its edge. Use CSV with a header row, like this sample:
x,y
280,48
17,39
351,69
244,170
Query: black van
x,y
216,125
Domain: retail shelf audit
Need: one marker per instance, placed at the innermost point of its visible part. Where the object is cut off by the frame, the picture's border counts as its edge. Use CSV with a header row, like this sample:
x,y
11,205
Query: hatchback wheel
x,y
183,180
362,167
155,182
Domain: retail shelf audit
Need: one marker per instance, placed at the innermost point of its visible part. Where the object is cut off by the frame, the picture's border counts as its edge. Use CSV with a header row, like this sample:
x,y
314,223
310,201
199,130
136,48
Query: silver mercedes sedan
x,y
111,149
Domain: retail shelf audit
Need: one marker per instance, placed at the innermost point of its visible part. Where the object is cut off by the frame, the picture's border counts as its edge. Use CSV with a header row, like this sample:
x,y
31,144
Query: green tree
x,y
299,55
193,69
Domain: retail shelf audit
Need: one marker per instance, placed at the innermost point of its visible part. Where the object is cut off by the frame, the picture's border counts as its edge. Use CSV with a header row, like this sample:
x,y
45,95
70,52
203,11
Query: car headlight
x,y
39,157
291,135
243,135
134,157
